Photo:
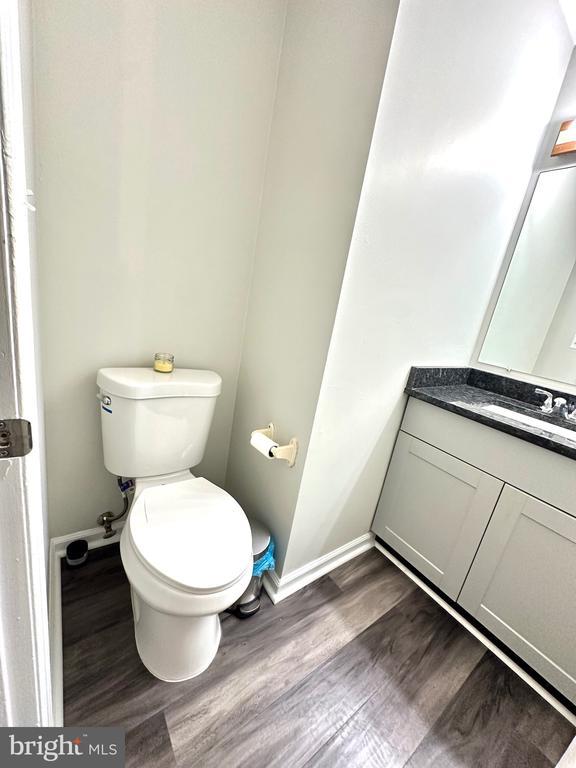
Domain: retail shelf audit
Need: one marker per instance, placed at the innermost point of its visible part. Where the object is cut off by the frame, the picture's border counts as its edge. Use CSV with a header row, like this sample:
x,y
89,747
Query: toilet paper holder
x,y
286,452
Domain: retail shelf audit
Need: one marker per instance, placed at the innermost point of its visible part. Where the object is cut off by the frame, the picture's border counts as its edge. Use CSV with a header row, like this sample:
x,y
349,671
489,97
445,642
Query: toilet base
x,y
177,631
174,648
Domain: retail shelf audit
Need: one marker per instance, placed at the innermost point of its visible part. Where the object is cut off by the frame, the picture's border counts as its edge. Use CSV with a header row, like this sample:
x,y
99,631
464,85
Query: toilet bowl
x,y
187,552
186,546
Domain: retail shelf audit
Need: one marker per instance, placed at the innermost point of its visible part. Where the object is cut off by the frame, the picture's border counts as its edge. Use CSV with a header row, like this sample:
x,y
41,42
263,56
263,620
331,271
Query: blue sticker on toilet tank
x,y
108,410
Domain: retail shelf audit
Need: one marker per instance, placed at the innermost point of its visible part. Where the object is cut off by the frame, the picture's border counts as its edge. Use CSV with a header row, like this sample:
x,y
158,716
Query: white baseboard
x,y
280,587
481,637
57,551
568,759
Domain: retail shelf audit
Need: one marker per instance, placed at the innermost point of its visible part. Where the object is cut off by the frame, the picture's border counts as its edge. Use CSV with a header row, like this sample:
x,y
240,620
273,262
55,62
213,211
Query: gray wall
x,y
331,71
186,151
152,121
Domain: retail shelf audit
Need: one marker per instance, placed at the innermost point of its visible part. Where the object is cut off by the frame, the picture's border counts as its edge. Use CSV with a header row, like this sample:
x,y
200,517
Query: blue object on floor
x,y
267,562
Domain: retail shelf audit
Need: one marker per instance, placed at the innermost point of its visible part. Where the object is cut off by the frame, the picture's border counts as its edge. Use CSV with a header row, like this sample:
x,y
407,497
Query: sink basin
x,y
530,421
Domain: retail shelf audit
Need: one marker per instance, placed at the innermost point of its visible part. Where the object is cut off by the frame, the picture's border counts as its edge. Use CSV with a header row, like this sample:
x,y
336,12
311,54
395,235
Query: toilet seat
x,y
191,534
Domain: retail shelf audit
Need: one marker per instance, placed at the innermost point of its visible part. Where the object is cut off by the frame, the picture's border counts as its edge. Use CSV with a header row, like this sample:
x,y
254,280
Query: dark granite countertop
x,y
467,391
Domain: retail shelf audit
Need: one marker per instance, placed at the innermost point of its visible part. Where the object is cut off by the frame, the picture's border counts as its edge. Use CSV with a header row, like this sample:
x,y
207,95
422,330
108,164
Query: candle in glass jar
x,y
163,362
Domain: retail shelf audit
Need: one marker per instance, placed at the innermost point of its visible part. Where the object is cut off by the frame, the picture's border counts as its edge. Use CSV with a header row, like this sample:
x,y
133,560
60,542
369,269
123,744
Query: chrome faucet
x,y
557,405
570,412
547,407
560,406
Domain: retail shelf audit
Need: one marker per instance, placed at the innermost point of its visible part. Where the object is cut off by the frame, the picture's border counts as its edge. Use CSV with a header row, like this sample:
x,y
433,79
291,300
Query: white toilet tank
x,y
155,423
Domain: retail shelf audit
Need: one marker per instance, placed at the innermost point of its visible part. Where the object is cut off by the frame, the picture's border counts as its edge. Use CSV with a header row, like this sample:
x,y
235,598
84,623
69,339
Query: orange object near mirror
x,y
566,141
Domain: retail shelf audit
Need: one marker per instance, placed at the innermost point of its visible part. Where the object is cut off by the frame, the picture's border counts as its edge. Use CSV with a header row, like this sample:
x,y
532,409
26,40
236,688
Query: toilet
x,y
186,546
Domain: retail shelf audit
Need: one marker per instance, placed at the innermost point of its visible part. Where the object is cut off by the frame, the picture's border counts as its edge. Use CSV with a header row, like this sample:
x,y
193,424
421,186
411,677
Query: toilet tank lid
x,y
146,383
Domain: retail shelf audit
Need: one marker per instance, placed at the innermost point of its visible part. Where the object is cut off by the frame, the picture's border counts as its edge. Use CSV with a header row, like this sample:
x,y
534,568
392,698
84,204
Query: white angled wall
x,y
152,122
467,95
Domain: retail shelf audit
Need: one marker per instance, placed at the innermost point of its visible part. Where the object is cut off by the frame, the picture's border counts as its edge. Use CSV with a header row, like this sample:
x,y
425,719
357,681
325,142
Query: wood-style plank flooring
x,y
361,668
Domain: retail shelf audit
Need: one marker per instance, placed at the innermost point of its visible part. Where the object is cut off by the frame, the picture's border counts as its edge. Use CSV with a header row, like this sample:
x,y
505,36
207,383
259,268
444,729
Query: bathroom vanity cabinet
x,y
434,510
491,521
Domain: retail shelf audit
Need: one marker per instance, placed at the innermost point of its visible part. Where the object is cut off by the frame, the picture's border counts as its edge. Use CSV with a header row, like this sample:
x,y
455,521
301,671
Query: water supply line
x,y
107,518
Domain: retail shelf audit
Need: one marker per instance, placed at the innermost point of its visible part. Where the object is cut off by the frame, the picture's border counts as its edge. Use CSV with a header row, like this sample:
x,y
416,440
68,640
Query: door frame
x,y
25,685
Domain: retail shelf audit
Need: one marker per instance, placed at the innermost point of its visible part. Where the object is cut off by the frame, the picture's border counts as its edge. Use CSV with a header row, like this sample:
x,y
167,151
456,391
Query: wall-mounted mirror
x,y
533,327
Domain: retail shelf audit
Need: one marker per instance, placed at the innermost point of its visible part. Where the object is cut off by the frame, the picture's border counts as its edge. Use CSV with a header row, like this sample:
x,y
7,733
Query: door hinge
x,y
15,438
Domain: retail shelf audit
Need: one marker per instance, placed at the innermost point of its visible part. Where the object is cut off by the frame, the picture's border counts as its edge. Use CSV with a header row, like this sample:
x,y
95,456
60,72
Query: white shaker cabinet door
x,y
522,585
434,510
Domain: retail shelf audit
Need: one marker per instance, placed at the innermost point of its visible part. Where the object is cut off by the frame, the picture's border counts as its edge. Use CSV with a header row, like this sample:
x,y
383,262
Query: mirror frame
x,y
561,163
